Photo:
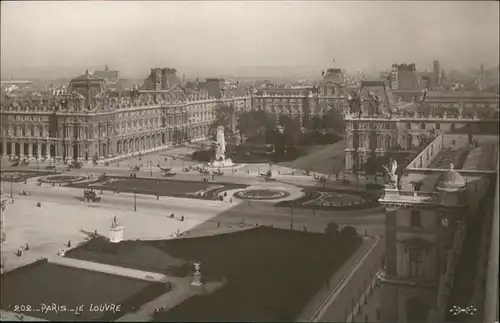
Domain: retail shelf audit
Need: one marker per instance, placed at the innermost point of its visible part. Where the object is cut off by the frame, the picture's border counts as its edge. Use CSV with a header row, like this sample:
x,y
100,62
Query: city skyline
x,y
210,37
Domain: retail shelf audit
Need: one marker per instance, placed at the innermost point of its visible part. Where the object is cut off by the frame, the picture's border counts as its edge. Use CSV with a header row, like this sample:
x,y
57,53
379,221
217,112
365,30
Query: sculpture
x,y
391,173
220,150
221,144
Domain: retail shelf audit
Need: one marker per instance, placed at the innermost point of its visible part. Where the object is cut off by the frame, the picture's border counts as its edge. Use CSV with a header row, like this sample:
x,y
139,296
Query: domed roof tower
x,y
451,181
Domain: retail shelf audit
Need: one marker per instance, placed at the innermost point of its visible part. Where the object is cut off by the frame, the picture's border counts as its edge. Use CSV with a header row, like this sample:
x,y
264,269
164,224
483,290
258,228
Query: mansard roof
x,y
377,90
333,75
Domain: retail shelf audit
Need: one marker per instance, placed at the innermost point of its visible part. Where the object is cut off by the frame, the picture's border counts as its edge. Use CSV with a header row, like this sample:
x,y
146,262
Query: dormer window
x,y
416,186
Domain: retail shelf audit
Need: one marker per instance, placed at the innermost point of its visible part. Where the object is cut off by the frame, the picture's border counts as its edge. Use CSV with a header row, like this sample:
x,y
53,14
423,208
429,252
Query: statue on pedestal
x,y
115,232
220,150
197,275
391,173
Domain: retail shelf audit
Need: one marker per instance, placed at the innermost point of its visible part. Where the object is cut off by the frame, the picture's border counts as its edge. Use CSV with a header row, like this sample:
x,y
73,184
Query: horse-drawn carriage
x,y
91,196
204,171
218,172
75,164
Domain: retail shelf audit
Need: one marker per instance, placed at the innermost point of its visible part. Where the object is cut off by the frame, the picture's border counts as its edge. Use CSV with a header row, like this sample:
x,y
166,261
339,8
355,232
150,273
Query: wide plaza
x,y
158,210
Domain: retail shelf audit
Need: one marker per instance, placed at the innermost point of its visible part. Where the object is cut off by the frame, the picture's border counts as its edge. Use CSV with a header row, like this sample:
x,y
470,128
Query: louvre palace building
x,y
91,119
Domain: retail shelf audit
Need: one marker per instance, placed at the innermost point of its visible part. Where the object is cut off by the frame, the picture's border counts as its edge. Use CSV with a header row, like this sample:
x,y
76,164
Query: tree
x,y
348,233
332,229
224,115
291,130
334,120
316,122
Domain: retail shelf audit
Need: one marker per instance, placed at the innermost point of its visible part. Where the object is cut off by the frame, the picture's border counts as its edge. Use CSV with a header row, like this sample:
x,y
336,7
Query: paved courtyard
x,y
49,228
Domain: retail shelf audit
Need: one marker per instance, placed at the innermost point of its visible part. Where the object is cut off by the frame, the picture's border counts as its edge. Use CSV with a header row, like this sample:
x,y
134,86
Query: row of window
x,y
423,126
465,105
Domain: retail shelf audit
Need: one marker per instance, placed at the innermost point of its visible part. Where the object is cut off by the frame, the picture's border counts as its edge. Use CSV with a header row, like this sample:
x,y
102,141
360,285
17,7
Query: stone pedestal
x,y
197,275
116,234
222,163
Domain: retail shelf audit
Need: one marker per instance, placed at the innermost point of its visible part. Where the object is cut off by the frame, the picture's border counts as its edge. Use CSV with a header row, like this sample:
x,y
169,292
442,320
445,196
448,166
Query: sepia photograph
x,y
250,161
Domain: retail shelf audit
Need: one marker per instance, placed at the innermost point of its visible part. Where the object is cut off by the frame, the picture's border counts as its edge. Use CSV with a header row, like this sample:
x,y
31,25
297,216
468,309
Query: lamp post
x,y
135,200
11,188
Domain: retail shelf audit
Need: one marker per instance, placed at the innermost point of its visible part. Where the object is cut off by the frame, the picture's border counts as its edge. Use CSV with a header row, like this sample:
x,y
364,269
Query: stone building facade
x,y
88,122
303,101
427,217
378,125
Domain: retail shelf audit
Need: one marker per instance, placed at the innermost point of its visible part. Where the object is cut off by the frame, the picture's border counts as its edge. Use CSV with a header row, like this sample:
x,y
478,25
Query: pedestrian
x,y
218,224
69,243
231,200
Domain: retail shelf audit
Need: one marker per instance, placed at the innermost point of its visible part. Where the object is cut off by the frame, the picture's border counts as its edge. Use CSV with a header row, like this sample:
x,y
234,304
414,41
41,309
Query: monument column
x,y
21,147
30,149
80,151
4,144
39,148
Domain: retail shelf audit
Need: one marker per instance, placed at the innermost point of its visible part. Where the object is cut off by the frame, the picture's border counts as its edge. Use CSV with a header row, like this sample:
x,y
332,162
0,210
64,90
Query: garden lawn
x,y
46,283
175,188
323,159
271,274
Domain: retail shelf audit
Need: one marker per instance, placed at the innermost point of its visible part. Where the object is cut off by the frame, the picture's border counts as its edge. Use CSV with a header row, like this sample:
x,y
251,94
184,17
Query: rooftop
x,y
461,94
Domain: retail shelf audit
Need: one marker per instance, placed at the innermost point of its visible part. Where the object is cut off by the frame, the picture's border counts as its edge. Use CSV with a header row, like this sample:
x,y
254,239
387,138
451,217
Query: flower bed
x,y
333,199
61,179
261,194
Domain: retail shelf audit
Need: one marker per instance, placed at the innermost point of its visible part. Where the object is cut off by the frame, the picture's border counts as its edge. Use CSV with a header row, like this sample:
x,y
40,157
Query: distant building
x,y
303,102
88,86
23,85
377,125
438,232
109,76
161,79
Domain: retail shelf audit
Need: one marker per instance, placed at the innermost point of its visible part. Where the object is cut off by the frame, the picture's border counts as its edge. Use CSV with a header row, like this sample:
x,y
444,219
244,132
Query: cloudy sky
x,y
207,36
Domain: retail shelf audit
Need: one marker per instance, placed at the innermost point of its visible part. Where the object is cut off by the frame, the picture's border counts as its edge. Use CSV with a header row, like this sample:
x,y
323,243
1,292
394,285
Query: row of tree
x,y
286,132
